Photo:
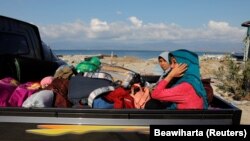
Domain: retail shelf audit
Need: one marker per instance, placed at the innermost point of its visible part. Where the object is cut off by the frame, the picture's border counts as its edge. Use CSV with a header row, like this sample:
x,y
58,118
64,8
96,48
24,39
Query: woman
x,y
182,86
164,64
152,103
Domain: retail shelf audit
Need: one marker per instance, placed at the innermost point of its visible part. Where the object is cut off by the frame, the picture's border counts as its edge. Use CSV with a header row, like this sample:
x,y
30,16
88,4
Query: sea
x,y
142,54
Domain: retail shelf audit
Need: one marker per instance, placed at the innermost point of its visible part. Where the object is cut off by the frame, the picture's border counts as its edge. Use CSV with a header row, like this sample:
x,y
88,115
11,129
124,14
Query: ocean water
x,y
120,53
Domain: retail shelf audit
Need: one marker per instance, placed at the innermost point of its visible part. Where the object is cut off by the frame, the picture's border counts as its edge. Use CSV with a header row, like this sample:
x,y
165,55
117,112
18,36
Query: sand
x,y
151,67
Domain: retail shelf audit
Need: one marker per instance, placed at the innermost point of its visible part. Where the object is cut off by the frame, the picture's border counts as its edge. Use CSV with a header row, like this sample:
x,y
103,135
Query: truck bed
x,y
59,124
221,113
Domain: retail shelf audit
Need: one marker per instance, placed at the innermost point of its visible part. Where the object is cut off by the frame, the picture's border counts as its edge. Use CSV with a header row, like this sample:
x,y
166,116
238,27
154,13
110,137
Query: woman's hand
x,y
177,71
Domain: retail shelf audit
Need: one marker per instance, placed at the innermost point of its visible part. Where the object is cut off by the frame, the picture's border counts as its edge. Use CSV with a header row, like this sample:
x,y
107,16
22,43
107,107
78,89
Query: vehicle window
x,y
13,44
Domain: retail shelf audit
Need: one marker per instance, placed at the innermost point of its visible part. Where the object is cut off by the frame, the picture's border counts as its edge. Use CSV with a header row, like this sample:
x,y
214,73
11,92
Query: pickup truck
x,y
24,57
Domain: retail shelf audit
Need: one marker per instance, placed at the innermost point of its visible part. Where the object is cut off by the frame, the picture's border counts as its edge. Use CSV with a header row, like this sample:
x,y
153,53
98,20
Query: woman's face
x,y
163,63
173,62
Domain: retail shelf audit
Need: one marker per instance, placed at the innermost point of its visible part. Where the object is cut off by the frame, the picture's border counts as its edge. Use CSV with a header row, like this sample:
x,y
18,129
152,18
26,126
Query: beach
x,y
150,67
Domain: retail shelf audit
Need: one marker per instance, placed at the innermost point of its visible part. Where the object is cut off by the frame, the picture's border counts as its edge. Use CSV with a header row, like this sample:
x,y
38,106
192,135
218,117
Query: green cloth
x,y
88,66
192,74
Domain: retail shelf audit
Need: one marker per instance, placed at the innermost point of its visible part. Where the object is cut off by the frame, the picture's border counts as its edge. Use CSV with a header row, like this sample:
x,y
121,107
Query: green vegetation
x,y
234,78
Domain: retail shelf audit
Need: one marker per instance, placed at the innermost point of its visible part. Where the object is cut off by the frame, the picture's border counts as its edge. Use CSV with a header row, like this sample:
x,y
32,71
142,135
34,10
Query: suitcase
x,y
81,87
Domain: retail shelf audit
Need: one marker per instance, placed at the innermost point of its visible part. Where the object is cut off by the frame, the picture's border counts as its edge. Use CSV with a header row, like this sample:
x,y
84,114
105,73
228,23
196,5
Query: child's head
x,y
163,61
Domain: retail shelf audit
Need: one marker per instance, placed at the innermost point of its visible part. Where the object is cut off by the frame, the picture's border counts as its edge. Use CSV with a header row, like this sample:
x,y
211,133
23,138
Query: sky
x,y
199,25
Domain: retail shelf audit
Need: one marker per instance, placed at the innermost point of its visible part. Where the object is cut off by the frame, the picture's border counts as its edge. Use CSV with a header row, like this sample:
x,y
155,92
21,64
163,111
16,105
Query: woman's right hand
x,y
177,71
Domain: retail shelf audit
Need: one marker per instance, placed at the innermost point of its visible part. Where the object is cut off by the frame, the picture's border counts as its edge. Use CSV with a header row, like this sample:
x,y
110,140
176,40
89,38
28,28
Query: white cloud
x,y
140,32
222,30
135,21
98,26
218,25
65,31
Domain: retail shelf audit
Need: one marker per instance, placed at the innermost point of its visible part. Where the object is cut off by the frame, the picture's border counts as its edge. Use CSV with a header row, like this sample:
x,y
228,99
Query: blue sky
x,y
203,25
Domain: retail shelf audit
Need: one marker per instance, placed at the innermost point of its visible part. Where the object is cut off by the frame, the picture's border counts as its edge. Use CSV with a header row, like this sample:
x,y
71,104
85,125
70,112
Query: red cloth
x,y
60,88
183,95
121,98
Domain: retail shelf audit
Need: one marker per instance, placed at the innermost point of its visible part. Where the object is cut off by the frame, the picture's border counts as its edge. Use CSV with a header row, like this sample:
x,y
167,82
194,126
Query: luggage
x,y
7,87
97,94
22,92
81,87
125,77
40,99
102,75
141,97
59,86
121,98
101,103
91,65
64,71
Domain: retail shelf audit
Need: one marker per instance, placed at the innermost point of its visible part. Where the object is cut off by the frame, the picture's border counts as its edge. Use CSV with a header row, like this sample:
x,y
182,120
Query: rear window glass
x,y
13,44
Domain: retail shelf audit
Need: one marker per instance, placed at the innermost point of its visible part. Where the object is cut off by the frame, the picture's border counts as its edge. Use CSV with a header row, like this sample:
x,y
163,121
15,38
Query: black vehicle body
x,y
23,55
35,62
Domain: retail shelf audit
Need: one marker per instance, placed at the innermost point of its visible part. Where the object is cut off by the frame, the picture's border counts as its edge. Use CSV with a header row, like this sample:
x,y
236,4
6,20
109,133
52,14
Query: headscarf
x,y
192,74
164,55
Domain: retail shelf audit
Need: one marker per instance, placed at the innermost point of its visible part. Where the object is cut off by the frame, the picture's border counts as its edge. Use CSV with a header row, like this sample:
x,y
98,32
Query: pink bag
x,y
140,97
7,86
22,92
